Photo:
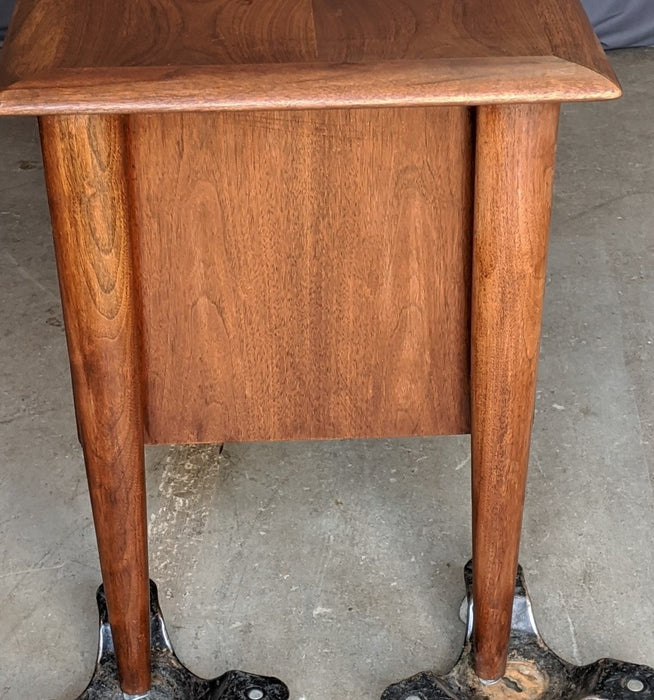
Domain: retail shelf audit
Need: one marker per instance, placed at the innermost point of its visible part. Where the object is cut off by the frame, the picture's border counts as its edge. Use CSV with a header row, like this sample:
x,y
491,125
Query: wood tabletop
x,y
65,56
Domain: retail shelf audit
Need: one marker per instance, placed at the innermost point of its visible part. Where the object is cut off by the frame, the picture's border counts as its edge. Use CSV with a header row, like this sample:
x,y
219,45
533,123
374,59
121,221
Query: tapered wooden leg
x,y
514,169
87,186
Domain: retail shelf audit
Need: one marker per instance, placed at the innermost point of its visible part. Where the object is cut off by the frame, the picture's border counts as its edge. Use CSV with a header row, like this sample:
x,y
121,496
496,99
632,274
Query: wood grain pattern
x,y
284,268
513,187
120,56
305,274
571,36
85,171
307,86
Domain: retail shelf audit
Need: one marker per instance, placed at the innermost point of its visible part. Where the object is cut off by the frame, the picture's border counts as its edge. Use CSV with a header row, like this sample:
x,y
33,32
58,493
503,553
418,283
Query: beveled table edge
x,y
402,83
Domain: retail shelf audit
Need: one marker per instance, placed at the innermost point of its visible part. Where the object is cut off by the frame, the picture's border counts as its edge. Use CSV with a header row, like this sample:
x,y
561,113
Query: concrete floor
x,y
338,566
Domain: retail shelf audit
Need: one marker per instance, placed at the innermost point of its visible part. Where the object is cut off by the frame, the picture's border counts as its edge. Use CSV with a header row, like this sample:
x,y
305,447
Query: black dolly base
x,y
533,672
170,679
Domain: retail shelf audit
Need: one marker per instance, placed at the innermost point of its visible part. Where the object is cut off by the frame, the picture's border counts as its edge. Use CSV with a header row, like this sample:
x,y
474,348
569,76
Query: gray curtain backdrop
x,y
6,7
622,23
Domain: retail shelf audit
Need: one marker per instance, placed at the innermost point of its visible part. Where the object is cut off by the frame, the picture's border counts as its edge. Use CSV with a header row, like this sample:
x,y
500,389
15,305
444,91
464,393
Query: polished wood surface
x,y
71,55
293,86
85,163
308,275
514,167
288,267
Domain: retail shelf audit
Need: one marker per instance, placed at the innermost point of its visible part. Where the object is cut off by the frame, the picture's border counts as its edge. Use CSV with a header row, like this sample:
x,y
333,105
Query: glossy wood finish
x,y
513,186
308,275
85,165
73,56
286,266
293,86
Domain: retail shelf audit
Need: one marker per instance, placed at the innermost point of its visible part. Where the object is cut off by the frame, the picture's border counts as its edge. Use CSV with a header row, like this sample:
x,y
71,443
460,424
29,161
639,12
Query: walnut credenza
x,y
300,219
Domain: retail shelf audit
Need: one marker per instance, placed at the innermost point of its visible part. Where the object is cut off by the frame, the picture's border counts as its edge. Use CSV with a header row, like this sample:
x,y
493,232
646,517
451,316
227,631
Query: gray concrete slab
x,y
338,566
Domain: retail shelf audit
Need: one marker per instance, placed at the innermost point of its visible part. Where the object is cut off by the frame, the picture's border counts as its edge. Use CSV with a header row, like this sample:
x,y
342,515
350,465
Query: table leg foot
x,y
170,679
534,672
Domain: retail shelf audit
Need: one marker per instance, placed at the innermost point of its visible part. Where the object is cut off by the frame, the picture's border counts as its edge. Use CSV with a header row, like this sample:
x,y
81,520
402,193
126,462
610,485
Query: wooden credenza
x,y
294,219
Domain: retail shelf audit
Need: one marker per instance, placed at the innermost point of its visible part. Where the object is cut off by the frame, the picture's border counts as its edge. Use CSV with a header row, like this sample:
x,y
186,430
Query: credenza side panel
x,y
303,274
